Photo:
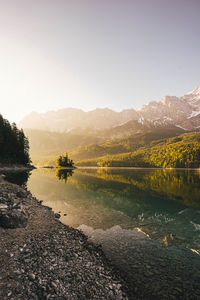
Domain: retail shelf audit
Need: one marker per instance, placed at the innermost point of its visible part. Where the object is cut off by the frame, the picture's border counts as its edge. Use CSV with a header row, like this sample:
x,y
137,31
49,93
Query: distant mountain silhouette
x,y
182,112
67,119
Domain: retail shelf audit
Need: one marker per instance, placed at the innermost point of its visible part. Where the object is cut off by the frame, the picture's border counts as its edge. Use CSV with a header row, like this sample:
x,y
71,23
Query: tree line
x,y
178,152
14,145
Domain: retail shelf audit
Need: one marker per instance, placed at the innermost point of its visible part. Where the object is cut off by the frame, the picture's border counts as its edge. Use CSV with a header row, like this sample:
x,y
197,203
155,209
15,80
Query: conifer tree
x,y
14,145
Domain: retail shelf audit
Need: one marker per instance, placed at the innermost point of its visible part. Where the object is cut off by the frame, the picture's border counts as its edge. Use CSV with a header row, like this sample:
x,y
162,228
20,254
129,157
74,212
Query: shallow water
x,y
164,204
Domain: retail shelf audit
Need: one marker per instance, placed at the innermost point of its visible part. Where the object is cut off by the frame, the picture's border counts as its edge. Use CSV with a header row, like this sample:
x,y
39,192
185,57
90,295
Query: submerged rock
x,y
57,215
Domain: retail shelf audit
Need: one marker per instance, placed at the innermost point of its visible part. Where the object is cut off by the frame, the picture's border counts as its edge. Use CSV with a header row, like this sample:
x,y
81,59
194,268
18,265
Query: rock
x,y
57,216
32,276
13,218
178,289
2,177
53,284
20,194
3,206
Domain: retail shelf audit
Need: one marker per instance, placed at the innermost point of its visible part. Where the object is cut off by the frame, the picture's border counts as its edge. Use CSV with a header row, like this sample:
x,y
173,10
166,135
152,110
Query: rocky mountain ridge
x,y
183,112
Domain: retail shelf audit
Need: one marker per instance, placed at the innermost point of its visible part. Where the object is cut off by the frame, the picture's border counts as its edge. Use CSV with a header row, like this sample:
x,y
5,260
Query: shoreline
x,y
108,168
134,168
41,258
16,168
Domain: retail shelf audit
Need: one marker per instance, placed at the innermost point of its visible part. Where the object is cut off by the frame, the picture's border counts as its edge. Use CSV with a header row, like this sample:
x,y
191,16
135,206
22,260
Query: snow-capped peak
x,y
193,98
196,92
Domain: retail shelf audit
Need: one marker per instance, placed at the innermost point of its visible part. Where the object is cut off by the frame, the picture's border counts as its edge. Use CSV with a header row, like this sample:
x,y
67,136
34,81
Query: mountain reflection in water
x,y
165,204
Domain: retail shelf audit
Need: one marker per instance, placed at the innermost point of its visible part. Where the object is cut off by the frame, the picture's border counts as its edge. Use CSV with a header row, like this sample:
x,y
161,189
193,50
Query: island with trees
x,y
63,161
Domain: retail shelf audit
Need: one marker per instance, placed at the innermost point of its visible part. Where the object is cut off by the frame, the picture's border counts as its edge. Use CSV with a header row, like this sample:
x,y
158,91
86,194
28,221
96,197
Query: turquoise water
x,y
164,204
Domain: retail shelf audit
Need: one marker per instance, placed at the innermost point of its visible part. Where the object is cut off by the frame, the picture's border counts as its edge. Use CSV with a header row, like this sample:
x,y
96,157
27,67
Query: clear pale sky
x,y
96,53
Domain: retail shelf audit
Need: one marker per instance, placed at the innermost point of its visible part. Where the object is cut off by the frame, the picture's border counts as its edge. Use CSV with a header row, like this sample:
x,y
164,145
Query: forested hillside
x,y
126,144
181,151
14,146
145,146
45,146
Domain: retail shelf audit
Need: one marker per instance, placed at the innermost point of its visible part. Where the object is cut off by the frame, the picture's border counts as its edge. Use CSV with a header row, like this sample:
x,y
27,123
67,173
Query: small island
x,y
63,161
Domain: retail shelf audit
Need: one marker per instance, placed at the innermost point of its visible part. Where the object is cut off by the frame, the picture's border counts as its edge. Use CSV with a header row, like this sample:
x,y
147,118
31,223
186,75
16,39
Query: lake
x,y
164,204
134,214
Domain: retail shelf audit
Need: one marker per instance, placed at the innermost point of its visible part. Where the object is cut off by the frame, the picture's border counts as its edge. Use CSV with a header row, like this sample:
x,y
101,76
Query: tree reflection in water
x,y
17,177
165,204
63,174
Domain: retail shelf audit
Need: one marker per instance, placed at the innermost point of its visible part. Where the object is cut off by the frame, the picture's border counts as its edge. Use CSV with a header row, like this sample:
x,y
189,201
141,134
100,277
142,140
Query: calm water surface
x,y
164,204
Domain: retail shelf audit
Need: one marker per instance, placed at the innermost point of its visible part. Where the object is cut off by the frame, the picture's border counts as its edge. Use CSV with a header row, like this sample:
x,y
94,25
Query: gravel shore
x,y
41,258
16,168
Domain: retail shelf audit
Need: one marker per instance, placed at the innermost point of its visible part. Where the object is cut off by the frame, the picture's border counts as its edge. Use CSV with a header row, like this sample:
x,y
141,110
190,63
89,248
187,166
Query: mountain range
x,y
101,132
182,112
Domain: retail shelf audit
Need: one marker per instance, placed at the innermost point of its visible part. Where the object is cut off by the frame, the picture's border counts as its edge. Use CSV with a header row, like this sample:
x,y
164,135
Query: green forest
x,y
165,147
182,151
89,143
14,145
124,145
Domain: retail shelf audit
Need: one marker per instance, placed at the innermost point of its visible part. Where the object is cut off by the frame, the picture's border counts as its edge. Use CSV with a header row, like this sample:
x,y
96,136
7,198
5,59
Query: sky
x,y
95,53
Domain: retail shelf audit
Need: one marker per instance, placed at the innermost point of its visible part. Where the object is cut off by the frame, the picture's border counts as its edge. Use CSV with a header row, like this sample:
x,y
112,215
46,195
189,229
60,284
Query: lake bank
x,y
16,168
43,259
133,168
